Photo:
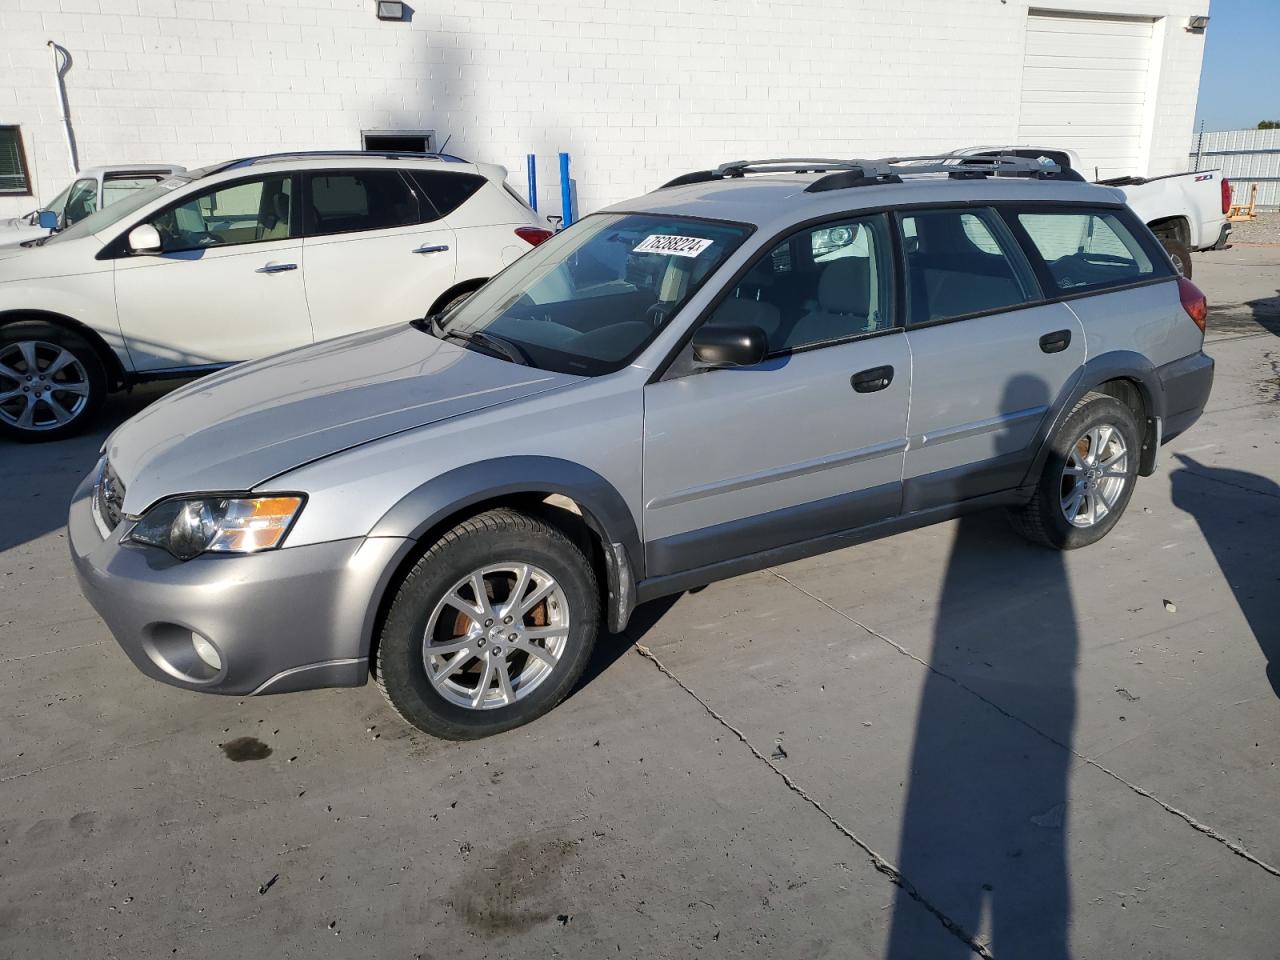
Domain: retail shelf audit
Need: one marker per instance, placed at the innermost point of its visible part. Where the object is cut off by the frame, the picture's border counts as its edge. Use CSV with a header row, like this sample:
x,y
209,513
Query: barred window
x,y
14,177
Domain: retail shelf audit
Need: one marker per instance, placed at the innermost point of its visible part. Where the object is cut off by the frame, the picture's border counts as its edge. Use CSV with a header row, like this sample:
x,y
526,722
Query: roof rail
x,y
320,154
856,173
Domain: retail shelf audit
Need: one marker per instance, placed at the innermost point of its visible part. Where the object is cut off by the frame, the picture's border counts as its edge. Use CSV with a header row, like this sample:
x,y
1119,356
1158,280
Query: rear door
x,y
809,441
989,356
376,253
227,284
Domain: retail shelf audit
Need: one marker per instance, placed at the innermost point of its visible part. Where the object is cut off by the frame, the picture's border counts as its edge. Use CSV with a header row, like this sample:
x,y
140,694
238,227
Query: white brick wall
x,y
635,91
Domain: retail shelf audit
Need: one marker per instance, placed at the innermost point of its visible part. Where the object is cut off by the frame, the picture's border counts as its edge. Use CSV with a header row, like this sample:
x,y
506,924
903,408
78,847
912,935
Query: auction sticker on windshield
x,y
675,246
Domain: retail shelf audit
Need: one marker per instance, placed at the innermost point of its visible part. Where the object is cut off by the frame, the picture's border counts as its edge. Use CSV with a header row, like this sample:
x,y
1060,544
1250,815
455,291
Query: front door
x,y
987,365
227,283
370,260
806,443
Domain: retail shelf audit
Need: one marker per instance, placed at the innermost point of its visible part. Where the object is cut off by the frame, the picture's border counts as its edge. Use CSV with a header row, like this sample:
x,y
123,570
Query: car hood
x,y
75,256
239,428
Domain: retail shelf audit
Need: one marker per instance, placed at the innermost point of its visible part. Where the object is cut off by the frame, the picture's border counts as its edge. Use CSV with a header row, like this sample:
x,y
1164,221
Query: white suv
x,y
240,260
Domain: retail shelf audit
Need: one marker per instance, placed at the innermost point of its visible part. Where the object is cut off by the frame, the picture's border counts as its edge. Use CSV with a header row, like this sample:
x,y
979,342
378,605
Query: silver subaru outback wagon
x,y
747,366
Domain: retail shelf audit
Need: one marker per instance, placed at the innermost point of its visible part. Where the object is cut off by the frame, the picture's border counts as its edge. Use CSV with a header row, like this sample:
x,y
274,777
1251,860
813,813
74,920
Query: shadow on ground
x,y
39,478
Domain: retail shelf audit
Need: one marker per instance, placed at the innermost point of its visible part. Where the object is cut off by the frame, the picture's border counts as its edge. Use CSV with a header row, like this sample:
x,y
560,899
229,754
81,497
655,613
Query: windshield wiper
x,y
486,341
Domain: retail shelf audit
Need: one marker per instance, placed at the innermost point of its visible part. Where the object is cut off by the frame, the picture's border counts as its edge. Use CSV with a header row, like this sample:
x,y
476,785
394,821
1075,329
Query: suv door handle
x,y
276,268
869,381
1055,342
433,248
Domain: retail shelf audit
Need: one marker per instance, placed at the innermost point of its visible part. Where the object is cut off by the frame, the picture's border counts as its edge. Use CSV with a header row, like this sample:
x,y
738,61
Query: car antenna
x,y
445,144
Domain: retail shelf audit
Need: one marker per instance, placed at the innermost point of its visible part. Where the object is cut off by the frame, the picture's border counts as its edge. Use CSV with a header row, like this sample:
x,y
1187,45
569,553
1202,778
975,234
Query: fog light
x,y
206,651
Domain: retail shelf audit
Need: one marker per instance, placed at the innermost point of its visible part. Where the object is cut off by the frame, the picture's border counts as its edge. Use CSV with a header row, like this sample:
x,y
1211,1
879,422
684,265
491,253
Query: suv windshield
x,y
108,216
591,298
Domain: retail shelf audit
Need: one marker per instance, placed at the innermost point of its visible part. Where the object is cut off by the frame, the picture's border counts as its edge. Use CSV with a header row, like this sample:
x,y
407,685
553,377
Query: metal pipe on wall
x,y
531,160
566,193
60,88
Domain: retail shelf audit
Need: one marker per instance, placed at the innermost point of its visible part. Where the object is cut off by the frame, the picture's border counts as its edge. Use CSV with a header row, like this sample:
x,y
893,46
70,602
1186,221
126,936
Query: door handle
x,y
276,268
433,248
869,381
1055,342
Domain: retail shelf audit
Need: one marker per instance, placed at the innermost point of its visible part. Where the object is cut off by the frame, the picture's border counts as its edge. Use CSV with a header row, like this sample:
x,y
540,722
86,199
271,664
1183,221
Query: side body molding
x,y
1114,365
603,509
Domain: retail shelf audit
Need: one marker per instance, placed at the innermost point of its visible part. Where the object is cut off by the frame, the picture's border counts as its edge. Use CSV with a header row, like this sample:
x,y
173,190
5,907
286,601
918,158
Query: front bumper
x,y
281,620
1187,384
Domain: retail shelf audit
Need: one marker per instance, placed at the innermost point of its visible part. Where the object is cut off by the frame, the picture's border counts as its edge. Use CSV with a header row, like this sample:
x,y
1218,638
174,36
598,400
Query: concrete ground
x,y
937,745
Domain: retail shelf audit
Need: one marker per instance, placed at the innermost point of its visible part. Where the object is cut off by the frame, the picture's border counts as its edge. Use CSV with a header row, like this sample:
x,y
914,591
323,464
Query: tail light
x,y
533,235
1194,302
1226,195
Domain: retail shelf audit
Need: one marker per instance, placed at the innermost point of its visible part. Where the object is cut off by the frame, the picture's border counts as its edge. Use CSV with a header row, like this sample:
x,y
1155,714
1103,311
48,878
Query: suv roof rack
x,y
317,154
860,173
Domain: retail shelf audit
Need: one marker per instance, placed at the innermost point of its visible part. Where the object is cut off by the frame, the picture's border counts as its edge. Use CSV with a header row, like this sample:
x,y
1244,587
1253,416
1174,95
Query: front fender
x,y
603,509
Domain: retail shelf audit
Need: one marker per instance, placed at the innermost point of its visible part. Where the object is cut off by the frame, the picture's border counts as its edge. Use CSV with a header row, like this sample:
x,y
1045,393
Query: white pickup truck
x,y
93,189
1187,211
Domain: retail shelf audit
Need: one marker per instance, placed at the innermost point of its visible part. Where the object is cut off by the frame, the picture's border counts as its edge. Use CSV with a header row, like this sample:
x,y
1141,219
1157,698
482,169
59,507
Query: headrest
x,y
845,286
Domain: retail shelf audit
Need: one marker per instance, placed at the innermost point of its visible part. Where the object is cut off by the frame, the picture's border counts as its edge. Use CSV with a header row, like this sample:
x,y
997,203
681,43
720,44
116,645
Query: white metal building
x,y
634,90
1247,158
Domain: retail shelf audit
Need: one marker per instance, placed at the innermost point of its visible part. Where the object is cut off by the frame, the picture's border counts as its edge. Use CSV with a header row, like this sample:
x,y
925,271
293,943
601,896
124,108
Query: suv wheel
x,y
1088,477
490,629
52,383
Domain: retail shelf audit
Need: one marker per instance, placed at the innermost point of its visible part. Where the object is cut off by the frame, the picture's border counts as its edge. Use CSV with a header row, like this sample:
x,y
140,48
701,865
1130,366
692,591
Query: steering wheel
x,y
656,315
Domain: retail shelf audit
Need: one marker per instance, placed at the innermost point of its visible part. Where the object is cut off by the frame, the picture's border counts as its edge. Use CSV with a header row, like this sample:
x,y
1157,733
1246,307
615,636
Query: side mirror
x,y
722,346
47,219
144,238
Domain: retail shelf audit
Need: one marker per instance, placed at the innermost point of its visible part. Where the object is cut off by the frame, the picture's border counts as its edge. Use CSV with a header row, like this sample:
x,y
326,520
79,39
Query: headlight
x,y
191,526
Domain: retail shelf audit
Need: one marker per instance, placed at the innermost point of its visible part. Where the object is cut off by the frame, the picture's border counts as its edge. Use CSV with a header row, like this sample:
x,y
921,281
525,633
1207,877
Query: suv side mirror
x,y
47,219
724,346
144,238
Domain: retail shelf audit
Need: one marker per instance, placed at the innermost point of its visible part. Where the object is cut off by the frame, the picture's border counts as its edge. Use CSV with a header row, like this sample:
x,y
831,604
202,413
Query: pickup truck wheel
x,y
490,629
1088,476
1180,254
52,383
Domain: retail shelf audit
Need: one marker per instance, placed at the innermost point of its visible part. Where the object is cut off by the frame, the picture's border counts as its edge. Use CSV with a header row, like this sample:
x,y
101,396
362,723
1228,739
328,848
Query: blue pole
x,y
566,203
533,181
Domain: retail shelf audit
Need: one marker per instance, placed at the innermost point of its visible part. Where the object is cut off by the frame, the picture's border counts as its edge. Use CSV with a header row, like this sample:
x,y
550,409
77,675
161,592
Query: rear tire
x,y
500,662
52,382
1180,254
1088,476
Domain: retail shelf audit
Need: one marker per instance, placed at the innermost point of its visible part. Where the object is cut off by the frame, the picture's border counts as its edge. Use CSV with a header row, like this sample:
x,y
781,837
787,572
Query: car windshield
x,y
107,216
588,300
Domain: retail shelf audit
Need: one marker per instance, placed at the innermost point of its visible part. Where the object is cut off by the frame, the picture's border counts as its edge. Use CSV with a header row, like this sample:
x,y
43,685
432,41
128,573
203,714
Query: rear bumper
x,y
291,619
1187,384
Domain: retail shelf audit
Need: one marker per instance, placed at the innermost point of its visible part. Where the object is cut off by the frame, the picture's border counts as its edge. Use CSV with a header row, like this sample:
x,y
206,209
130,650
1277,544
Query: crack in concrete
x,y
1228,483
1191,821
50,653
881,865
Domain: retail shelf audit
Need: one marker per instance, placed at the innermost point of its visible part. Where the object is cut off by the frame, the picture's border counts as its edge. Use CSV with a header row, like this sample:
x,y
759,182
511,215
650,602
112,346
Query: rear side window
x,y
1089,249
446,192
350,200
962,262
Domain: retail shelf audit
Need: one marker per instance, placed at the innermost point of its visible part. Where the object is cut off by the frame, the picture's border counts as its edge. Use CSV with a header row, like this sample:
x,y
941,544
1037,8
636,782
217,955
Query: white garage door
x,y
1084,86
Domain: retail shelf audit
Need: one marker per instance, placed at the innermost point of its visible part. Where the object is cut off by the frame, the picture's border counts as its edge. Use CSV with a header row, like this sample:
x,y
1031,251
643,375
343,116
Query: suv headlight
x,y
190,526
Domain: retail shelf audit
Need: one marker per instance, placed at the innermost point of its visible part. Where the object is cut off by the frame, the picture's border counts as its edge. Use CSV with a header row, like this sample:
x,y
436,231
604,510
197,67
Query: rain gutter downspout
x,y
62,64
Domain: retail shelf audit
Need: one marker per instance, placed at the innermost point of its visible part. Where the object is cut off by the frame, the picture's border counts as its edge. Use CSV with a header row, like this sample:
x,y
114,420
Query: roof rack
x,y
858,173
319,154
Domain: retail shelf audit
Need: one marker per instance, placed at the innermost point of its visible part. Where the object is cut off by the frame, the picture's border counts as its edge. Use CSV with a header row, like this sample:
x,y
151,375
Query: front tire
x,y
52,383
1088,476
490,629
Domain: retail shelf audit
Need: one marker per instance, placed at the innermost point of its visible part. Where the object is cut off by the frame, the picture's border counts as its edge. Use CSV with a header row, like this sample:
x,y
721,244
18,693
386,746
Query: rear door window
x,y
1089,249
960,263
345,201
446,192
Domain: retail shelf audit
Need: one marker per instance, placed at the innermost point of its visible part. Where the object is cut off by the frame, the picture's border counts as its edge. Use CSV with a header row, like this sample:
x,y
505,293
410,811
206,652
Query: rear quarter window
x,y
1086,250
446,192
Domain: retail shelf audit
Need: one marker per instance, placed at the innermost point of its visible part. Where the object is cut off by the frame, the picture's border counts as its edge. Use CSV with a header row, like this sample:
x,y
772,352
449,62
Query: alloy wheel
x,y
42,385
496,635
1095,476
